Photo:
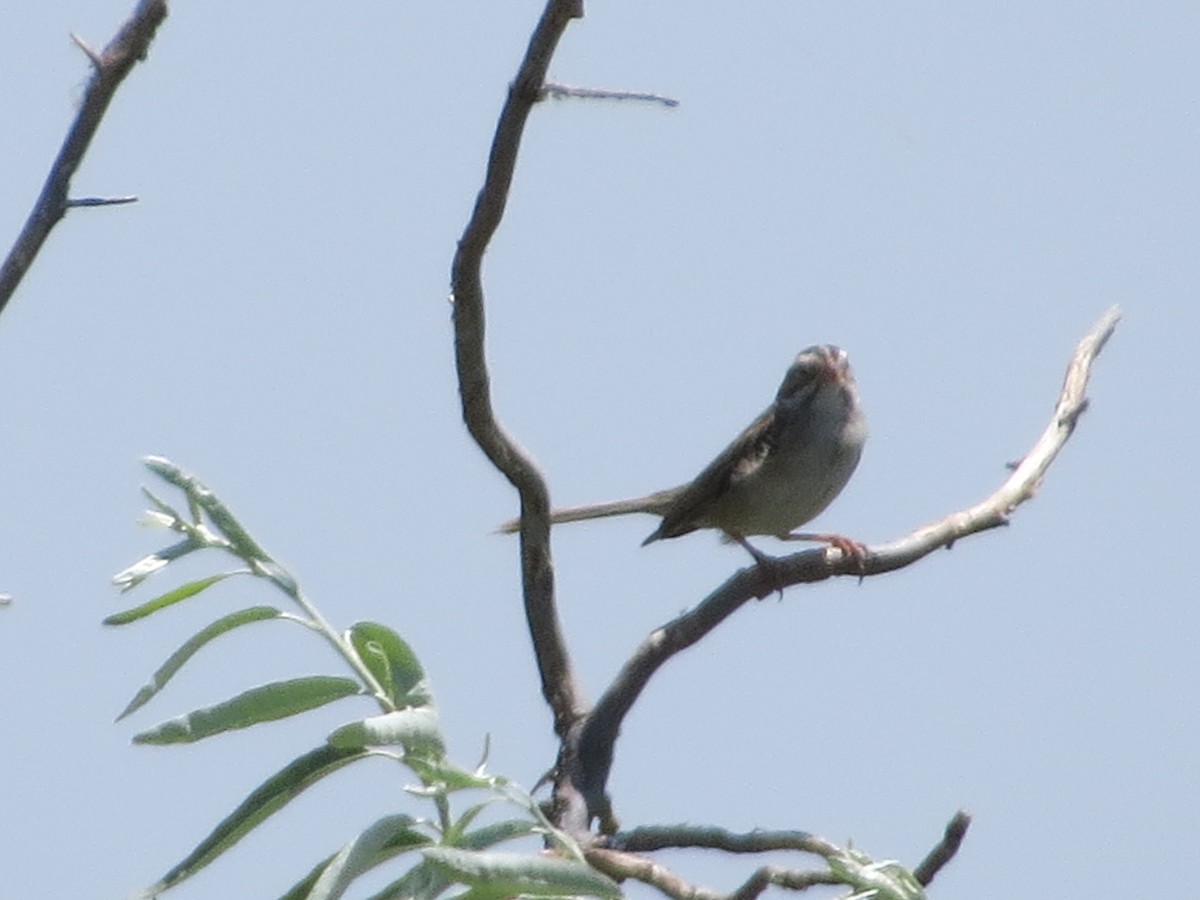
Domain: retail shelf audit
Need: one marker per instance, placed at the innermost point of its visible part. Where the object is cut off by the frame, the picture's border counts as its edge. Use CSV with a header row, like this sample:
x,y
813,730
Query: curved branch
x,y
621,866
648,838
947,847
597,734
537,574
620,857
109,68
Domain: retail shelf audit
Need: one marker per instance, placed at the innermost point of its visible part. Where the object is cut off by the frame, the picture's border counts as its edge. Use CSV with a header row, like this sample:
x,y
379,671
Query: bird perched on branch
x,y
780,473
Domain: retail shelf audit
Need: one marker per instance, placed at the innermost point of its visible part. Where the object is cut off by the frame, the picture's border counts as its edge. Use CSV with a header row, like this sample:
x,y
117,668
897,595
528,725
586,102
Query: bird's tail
x,y
655,504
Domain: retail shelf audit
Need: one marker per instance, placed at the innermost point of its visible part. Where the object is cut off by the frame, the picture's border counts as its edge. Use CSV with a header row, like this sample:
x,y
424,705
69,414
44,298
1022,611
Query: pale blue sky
x,y
953,193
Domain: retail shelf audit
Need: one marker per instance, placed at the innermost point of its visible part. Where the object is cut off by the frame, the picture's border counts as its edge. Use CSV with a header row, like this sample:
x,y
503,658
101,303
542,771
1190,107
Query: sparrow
x,y
777,475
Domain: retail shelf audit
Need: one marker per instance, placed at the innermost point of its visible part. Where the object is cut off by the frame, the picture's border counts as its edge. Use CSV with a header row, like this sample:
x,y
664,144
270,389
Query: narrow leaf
x,y
265,703
421,882
170,598
414,729
199,494
447,776
392,662
518,873
268,798
883,880
498,832
301,889
383,841
130,578
175,661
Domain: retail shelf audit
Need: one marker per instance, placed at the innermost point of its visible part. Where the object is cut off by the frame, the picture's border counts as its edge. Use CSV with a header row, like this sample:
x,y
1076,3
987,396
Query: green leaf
x,y
130,578
300,890
392,662
421,882
416,730
517,873
268,798
463,822
170,598
383,841
447,776
175,661
884,880
199,495
265,703
498,832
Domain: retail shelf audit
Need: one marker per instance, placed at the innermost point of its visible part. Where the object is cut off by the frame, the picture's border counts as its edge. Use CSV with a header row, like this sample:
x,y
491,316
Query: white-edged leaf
x,y
416,730
883,880
199,495
128,579
383,841
497,832
421,882
519,873
265,703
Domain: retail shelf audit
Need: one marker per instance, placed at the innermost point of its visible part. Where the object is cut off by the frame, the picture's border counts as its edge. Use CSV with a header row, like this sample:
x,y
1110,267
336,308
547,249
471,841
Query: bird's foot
x,y
769,566
850,548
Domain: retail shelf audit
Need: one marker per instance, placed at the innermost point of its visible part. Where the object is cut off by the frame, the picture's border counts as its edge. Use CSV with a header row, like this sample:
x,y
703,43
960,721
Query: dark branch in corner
x,y
537,574
596,735
109,69
945,850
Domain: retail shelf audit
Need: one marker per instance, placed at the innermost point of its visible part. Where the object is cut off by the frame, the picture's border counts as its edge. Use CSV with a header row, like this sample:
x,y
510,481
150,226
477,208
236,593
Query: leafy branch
x,y
450,848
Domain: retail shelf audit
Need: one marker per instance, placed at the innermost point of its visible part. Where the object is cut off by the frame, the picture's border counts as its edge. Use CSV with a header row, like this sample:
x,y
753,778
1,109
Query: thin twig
x,y
947,847
109,69
558,681
596,735
649,838
621,857
621,866
100,201
563,91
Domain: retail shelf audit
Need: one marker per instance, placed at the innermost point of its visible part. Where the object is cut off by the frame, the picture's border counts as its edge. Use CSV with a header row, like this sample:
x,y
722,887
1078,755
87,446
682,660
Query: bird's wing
x,y
739,460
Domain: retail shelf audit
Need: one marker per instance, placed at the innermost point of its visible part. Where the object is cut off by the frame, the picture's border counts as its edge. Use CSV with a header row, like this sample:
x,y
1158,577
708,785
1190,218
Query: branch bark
x,y
596,735
621,858
588,736
559,685
947,847
109,68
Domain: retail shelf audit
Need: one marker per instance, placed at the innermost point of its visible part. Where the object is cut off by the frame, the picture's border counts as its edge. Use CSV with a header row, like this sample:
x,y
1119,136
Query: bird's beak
x,y
837,367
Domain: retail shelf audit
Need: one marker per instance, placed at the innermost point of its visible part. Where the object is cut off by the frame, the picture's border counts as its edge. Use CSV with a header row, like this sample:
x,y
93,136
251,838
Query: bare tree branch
x,y
947,847
537,574
564,91
648,838
588,737
109,69
99,201
597,733
621,866
620,857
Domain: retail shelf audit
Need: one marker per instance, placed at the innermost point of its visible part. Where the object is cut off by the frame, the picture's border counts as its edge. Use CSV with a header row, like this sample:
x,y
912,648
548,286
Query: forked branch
x,y
597,733
589,736
109,68
622,858
466,280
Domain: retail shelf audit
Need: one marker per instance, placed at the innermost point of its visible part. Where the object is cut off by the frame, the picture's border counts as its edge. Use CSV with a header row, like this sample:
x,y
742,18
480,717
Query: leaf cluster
x,y
444,848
